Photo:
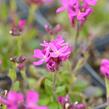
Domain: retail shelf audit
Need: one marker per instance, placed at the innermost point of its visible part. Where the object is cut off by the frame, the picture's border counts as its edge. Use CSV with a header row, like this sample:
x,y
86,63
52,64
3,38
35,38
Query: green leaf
x,y
44,101
32,81
4,12
48,86
12,74
15,86
54,105
60,89
48,83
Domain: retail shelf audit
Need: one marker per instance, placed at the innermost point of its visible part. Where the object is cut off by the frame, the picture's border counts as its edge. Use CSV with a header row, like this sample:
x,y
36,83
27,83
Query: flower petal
x,y
40,62
63,49
65,54
54,55
32,97
12,96
59,10
53,47
38,53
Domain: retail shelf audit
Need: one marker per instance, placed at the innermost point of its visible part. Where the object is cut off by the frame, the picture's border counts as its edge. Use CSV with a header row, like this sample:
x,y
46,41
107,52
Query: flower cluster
x,y
104,67
66,104
53,53
77,9
16,100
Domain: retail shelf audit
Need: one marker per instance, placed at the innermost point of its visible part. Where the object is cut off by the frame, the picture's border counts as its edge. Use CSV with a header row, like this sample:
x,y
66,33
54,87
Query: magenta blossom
x,y
66,103
53,53
21,24
59,51
13,100
32,98
42,55
62,100
16,100
70,6
53,65
77,10
104,67
83,12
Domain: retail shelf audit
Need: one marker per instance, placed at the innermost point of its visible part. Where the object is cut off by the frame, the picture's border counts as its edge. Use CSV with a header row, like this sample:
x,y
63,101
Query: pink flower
x,y
21,24
62,100
70,7
80,106
59,41
32,98
58,52
104,67
66,103
52,65
53,53
83,12
77,10
42,55
15,100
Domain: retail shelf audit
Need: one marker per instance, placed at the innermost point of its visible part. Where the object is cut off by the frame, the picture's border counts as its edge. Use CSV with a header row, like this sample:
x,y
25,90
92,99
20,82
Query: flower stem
x,y
19,45
107,90
77,33
72,84
19,51
54,86
31,16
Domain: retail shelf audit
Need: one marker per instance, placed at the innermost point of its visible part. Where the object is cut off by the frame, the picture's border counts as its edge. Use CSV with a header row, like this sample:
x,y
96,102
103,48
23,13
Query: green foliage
x,y
37,78
4,107
48,86
54,105
12,74
80,85
16,86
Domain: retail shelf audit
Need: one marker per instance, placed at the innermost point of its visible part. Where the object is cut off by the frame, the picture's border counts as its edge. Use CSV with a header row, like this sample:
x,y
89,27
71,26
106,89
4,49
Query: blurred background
x,y
94,34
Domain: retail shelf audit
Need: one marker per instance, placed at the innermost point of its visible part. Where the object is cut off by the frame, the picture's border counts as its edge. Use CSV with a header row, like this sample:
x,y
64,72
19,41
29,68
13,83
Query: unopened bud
x,y
54,30
19,59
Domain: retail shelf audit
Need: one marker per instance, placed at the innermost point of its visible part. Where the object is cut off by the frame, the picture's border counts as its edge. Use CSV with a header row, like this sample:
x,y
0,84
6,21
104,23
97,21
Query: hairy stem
x,y
54,86
19,45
